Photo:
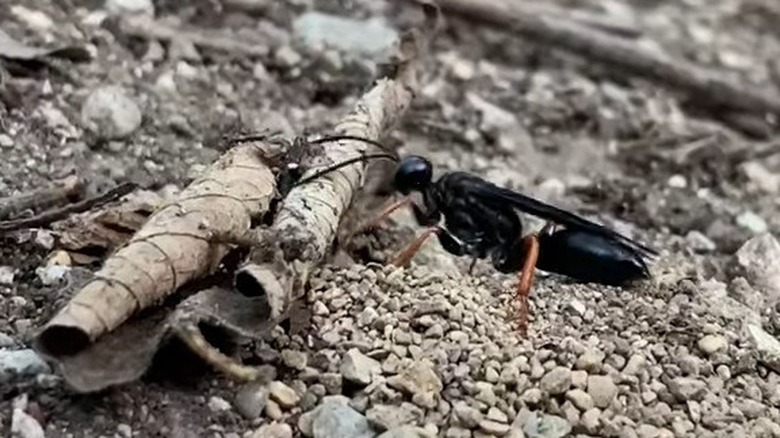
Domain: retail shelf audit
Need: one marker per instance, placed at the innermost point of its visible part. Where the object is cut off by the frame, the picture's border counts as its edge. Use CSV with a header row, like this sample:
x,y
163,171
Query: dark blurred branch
x,y
706,88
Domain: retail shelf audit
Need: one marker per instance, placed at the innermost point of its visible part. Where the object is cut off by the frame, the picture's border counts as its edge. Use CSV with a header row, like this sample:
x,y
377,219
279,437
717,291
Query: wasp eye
x,y
414,173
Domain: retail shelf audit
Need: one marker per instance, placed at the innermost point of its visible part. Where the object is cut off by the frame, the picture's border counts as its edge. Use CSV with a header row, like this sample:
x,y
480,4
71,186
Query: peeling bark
x,y
172,248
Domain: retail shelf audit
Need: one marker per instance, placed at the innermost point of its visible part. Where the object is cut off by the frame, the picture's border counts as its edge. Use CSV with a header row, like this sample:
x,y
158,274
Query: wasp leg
x,y
472,265
387,211
404,257
526,277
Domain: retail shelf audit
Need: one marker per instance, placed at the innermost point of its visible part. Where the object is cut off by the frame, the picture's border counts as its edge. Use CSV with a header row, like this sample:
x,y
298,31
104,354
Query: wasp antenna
x,y
344,164
355,138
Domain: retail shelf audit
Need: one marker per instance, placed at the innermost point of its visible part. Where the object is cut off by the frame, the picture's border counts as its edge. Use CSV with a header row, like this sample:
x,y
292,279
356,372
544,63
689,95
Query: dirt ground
x,y
633,154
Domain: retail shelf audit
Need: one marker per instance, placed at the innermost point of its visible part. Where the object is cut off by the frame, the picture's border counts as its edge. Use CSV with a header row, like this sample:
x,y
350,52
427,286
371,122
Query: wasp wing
x,y
491,192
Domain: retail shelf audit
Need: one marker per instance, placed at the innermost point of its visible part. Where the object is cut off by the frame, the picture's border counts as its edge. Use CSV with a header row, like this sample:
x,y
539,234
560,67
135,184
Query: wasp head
x,y
414,173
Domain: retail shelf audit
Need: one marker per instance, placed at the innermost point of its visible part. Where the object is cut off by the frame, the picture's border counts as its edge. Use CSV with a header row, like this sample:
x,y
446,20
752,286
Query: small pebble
x,y
602,390
581,399
294,359
251,400
711,344
557,381
274,430
283,394
218,404
110,113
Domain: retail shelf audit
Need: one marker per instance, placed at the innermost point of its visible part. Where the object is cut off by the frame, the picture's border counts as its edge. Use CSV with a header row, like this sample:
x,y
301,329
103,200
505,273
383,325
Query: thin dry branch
x,y
173,247
710,89
306,223
621,27
67,190
142,26
47,217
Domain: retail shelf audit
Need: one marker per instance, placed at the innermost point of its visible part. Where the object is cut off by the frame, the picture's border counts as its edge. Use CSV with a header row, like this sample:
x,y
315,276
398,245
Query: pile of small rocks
x,y
417,352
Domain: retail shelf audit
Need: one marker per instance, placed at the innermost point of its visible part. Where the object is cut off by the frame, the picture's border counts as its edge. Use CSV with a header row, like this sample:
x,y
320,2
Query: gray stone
x,y
25,426
579,398
6,141
546,426
485,393
590,360
579,379
218,404
767,347
124,430
386,417
367,316
698,241
635,365
52,275
758,260
273,430
465,415
251,400
752,222
7,274
557,381
647,431
110,114
764,427
686,388
495,414
287,56
317,30
751,408
359,368
6,341
331,420
22,363
332,382
406,431
283,394
590,420
602,390
493,427
711,344
125,7
577,307
759,175
294,359
418,379
532,396
457,432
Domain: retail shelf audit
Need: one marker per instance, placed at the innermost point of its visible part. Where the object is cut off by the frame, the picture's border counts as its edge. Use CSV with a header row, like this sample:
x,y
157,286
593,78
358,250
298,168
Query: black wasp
x,y
481,220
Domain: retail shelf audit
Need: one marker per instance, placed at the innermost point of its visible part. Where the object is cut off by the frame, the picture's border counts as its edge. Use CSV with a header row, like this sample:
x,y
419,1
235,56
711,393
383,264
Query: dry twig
x,y
47,217
709,88
61,192
606,23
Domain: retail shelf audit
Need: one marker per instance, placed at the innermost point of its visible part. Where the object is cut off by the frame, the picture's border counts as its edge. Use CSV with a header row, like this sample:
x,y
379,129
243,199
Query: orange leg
x,y
526,278
387,211
404,257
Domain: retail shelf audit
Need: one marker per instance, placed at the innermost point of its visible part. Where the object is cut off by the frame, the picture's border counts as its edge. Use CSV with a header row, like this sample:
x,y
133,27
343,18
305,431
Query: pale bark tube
x,y
173,247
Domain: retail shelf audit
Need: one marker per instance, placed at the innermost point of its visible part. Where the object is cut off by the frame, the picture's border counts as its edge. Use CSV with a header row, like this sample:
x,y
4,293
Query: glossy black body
x,y
481,220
